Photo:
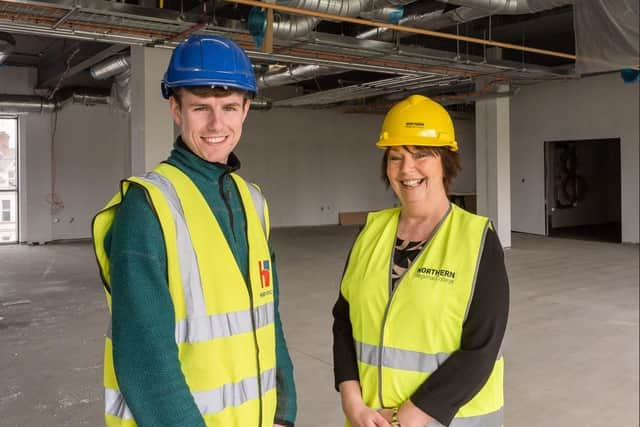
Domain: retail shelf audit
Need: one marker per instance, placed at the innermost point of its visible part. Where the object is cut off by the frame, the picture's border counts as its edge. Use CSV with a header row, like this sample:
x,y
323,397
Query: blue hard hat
x,y
209,60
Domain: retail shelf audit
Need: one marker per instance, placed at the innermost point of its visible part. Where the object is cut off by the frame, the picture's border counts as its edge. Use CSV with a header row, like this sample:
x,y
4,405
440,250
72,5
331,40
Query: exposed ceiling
x,y
64,39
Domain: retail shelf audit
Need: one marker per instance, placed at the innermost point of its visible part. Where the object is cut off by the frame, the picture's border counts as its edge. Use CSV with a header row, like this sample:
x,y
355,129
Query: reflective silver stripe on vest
x,y
493,419
115,404
400,359
214,401
258,202
191,330
189,271
208,402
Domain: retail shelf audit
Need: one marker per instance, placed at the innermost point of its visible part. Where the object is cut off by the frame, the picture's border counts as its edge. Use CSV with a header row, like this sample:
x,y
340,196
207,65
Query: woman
x,y
424,298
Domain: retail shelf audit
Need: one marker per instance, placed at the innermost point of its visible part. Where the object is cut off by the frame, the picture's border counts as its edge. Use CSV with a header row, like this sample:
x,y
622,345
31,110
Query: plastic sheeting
x,y
607,35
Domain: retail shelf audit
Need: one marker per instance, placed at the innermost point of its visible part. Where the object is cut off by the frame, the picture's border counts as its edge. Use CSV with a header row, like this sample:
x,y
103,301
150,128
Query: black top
x,y
464,373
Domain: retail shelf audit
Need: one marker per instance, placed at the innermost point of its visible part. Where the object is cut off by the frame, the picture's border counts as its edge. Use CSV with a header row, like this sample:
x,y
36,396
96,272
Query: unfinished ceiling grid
x,y
330,50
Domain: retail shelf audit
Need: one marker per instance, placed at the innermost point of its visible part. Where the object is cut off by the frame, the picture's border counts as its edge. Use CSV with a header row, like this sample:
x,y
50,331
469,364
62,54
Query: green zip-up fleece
x,y
144,349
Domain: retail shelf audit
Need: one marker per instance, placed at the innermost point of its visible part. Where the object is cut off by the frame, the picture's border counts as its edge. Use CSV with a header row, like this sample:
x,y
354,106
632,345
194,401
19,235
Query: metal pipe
x,y
110,67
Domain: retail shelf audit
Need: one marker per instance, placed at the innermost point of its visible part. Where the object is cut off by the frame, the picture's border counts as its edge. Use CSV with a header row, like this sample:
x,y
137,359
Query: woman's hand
x,y
358,414
409,415
362,416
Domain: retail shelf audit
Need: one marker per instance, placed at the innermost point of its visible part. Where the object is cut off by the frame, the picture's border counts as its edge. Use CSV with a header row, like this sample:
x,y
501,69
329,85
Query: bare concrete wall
x,y
597,107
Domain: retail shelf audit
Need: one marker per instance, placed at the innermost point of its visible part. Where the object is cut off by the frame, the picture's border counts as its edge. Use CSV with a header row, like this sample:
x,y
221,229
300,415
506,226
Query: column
x,y
493,177
152,131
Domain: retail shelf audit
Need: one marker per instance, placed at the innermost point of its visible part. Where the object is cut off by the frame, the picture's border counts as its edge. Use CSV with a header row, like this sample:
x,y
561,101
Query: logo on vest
x,y
265,277
436,274
265,273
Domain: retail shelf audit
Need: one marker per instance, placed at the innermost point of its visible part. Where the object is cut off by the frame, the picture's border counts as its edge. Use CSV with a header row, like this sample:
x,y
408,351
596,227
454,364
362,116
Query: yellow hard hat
x,y
418,120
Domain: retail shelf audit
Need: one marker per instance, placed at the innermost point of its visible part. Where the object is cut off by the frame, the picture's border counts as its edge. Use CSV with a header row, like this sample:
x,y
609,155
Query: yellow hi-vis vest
x,y
402,337
224,329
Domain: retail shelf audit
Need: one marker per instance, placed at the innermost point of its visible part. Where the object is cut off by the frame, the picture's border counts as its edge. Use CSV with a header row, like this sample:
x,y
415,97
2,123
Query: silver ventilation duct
x,y
110,67
428,21
385,14
7,44
295,74
469,10
120,67
431,20
511,7
20,104
16,104
289,27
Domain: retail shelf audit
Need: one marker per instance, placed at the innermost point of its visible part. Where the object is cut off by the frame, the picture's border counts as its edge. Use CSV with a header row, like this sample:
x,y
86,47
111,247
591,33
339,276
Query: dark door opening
x,y
583,189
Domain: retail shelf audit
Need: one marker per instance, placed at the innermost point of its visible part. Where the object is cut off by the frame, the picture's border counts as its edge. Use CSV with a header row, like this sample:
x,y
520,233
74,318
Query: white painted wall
x,y
91,152
35,154
313,164
35,178
590,108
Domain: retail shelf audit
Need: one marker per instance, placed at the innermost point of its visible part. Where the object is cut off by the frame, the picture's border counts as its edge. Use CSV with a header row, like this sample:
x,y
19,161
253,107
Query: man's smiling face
x,y
210,126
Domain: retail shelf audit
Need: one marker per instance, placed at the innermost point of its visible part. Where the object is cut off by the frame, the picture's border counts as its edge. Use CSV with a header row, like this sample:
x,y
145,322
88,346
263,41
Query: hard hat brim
x,y
418,142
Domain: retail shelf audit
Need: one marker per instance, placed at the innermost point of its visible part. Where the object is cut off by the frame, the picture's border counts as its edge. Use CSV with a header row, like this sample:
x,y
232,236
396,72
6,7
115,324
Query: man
x,y
195,338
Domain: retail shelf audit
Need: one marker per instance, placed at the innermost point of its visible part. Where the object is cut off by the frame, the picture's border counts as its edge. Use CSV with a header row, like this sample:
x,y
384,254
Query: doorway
x,y
9,179
583,189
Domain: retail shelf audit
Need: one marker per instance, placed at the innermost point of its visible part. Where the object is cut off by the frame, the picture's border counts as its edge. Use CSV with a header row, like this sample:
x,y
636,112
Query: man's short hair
x,y
206,91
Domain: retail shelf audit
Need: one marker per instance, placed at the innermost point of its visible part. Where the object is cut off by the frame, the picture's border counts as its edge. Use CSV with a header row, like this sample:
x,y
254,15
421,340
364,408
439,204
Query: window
x,y
6,210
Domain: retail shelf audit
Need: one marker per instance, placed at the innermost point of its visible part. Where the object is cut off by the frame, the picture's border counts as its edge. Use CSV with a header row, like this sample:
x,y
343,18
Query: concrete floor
x,y
571,348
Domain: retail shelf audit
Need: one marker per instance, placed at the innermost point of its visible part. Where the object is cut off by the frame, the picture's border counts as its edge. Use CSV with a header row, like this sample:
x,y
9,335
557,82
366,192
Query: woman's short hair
x,y
451,162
